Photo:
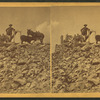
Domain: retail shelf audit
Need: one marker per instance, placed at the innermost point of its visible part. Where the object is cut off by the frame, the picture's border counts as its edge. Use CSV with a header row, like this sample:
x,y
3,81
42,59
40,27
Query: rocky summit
x,y
24,68
76,68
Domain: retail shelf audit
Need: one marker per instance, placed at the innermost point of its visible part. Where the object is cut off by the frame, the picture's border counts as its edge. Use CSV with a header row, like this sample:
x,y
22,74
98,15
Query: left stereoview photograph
x,y
25,50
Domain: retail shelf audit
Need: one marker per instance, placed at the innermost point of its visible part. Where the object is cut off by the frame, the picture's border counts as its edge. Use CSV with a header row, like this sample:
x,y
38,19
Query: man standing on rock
x,y
9,31
85,31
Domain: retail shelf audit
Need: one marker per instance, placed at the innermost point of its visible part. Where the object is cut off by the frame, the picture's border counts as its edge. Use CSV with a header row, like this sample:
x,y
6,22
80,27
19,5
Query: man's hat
x,y
85,24
10,25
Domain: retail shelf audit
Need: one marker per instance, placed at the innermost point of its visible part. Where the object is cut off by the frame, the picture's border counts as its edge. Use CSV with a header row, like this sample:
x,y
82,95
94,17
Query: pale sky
x,y
26,18
69,20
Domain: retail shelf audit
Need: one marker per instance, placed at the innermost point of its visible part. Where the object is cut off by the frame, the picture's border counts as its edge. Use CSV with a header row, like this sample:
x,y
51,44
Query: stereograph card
x,y
49,49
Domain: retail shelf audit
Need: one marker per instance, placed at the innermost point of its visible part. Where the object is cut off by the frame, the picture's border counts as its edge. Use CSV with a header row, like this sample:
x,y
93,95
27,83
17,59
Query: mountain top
x,y
24,68
76,67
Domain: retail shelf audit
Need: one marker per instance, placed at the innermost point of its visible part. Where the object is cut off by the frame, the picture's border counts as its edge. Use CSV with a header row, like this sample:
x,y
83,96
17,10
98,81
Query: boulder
x,y
22,61
20,81
87,47
94,81
12,47
96,61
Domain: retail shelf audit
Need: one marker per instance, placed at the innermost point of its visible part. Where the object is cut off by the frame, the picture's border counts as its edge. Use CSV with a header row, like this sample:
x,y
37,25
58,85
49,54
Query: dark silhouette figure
x,y
9,31
84,31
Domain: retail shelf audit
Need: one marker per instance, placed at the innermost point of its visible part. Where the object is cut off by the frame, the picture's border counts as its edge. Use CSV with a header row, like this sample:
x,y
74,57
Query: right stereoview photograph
x,y
75,49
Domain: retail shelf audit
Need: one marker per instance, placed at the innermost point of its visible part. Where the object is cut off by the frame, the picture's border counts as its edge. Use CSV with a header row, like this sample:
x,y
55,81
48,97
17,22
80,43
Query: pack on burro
x,y
24,68
76,66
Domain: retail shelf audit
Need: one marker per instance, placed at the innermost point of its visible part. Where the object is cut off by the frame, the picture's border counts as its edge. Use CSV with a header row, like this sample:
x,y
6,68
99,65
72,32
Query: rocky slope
x,y
24,68
76,68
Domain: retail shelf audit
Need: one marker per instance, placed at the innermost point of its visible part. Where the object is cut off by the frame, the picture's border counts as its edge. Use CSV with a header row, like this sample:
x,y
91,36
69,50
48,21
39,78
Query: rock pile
x,y
76,68
24,68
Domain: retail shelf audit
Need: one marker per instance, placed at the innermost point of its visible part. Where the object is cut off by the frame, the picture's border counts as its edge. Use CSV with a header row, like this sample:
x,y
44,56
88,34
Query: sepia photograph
x,y
24,50
75,49
50,50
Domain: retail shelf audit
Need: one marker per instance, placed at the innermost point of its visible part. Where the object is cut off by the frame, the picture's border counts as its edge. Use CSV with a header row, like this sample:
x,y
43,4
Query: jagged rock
x,y
87,47
1,65
22,45
36,60
23,69
14,85
1,56
22,61
27,86
93,81
96,61
11,47
66,58
79,68
76,55
20,81
33,84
